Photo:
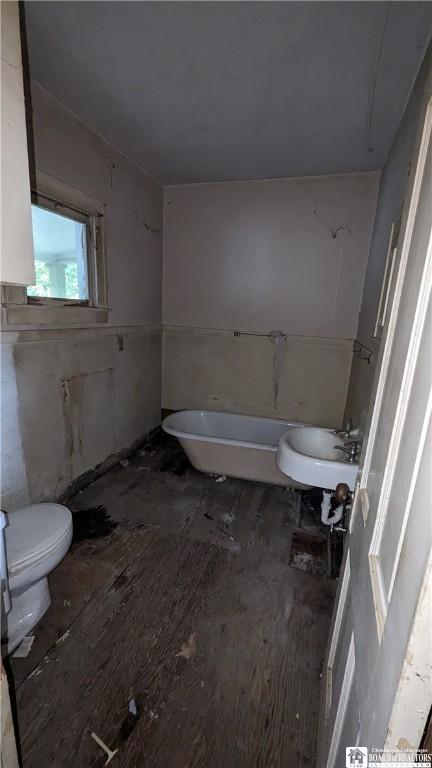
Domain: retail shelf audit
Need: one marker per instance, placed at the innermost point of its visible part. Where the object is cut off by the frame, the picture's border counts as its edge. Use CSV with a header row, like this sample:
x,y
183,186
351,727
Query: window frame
x,y
89,220
21,309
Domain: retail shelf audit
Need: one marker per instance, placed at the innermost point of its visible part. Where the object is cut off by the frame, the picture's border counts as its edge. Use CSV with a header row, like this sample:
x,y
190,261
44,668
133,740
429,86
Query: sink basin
x,y
308,456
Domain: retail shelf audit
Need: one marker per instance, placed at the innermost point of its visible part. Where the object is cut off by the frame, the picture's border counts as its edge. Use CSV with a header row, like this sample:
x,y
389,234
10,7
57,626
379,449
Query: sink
x,y
308,455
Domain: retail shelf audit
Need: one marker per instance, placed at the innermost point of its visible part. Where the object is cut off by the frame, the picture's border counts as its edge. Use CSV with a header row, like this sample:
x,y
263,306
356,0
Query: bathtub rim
x,y
181,435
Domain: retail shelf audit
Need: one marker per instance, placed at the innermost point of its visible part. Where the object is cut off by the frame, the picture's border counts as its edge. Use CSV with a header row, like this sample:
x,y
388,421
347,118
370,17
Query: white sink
x,y
308,455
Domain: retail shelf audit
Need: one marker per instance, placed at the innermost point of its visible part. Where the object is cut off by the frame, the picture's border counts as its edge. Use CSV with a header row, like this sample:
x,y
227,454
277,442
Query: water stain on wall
x,y
88,404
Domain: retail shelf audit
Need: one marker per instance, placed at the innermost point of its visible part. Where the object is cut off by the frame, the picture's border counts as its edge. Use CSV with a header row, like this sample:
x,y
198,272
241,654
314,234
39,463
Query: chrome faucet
x,y
352,448
346,431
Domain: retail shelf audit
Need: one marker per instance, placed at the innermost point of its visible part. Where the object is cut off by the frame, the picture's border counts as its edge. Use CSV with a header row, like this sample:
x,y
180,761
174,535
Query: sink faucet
x,y
346,431
352,448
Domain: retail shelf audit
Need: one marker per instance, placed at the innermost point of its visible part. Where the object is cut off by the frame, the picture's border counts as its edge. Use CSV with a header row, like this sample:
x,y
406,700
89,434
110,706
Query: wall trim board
x,y
243,332
70,334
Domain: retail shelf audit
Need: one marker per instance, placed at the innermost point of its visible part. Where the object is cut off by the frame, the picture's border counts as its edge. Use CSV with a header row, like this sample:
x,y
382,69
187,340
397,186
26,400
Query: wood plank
x,y
249,695
73,584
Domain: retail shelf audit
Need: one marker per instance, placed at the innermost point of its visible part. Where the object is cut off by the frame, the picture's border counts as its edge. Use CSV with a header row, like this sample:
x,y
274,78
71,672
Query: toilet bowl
x,y
37,539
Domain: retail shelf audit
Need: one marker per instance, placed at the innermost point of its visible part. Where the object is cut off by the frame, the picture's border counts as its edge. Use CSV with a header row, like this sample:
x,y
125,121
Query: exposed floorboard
x,y
124,605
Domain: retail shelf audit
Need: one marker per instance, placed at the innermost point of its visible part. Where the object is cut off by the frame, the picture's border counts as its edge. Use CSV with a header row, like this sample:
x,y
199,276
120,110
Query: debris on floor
x,y
124,462
225,533
47,659
63,637
188,648
103,746
309,553
133,707
24,647
52,655
227,519
221,479
35,672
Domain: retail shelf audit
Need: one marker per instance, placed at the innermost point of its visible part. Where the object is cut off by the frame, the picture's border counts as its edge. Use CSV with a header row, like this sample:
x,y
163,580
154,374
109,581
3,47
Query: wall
x,y
16,264
73,396
393,185
287,254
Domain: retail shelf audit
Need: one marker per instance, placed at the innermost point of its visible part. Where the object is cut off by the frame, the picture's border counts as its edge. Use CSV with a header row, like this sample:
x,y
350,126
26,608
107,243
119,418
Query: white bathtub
x,y
230,444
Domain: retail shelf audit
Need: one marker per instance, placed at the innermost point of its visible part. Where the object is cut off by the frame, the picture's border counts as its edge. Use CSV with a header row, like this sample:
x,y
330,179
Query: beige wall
x,y
70,152
72,396
287,254
393,186
217,371
71,399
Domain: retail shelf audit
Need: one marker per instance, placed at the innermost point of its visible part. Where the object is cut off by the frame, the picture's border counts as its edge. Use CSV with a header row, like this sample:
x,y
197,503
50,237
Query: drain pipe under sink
x,y
326,509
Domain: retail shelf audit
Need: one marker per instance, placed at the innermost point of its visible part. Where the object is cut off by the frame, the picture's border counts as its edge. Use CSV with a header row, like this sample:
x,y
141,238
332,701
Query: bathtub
x,y
230,444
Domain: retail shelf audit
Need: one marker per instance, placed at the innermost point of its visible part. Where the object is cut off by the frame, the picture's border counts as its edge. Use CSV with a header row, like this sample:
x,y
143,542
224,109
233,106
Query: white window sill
x,y
52,316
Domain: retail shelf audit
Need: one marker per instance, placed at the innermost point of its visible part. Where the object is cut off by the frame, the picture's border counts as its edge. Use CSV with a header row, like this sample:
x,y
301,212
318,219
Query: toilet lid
x,y
33,530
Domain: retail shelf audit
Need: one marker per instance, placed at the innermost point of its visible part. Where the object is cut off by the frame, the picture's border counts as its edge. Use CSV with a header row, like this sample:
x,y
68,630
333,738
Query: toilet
x,y
37,538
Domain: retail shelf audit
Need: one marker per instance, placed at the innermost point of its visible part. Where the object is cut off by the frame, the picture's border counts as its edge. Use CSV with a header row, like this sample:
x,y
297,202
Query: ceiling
x,y
209,91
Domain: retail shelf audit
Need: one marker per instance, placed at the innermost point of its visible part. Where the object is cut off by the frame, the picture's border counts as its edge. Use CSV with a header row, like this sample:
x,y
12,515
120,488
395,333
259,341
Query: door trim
x,y
346,579
343,705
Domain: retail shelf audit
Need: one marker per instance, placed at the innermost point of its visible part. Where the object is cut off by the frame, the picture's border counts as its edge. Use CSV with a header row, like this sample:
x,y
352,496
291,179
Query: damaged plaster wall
x,y
13,469
217,371
287,254
393,186
83,393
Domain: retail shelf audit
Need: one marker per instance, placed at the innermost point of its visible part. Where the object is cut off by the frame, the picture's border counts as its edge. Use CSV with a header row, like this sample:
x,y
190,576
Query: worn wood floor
x,y
179,646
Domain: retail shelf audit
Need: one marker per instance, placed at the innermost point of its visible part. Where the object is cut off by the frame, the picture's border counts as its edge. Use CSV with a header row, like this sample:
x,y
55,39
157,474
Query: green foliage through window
x,y
60,256
43,282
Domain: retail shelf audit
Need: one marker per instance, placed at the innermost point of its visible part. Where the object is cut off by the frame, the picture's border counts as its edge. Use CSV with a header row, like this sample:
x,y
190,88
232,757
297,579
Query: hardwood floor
x,y
182,637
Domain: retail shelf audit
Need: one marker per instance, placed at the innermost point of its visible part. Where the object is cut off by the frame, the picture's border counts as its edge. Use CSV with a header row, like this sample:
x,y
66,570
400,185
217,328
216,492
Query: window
x,y
67,242
60,252
69,258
